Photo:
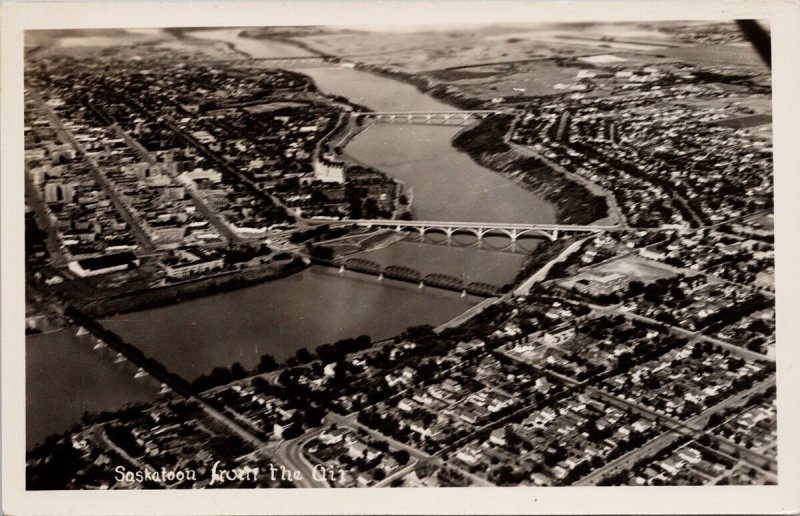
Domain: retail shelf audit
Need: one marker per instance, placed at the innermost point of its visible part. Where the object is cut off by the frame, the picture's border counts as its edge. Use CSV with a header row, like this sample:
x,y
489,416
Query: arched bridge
x,y
481,229
424,117
281,61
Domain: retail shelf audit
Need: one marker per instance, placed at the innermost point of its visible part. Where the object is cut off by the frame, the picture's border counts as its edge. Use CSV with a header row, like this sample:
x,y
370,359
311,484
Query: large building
x,y
58,192
97,265
185,263
328,170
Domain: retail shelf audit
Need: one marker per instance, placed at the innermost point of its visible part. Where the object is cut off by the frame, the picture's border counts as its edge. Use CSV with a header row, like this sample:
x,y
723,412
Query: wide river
x,y
66,378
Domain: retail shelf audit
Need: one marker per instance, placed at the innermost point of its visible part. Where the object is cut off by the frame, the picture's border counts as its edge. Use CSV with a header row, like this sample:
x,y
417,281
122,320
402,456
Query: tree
x,y
237,371
267,364
402,457
635,288
321,252
303,356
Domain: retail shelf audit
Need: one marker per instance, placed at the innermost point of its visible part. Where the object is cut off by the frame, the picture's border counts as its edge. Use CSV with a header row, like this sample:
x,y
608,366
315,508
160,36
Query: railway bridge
x,y
411,275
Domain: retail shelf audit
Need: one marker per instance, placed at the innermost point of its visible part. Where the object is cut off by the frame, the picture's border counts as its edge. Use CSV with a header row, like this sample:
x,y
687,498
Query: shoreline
x,y
137,300
511,164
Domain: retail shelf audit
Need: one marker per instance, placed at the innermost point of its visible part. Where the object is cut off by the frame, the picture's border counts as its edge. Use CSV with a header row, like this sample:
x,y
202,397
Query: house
x,y
364,479
541,384
498,437
407,405
540,479
466,347
419,427
423,398
691,455
358,449
469,454
332,436
559,336
642,425
652,255
560,471
280,427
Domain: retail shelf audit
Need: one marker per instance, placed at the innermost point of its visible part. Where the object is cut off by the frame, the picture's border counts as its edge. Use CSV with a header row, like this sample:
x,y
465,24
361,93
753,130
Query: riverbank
x,y
157,297
486,144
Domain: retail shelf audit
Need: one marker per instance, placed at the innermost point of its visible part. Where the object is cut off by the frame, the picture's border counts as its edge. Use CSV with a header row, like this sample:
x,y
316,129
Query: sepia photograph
x,y
464,254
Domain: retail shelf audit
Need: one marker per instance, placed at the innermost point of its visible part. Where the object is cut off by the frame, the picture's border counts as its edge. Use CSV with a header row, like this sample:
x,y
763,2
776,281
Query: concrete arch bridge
x,y
424,117
482,229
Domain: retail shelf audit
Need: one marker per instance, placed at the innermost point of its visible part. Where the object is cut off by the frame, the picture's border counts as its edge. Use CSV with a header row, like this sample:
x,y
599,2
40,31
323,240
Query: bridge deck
x,y
465,112
476,225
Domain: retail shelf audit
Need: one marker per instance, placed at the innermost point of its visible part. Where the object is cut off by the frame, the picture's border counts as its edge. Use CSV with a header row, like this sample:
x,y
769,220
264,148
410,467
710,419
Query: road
x,y
57,253
224,165
662,441
615,216
541,274
97,174
350,421
290,453
692,335
213,217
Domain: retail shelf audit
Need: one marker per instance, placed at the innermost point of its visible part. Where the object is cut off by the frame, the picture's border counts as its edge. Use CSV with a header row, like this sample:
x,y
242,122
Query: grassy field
x,y
636,268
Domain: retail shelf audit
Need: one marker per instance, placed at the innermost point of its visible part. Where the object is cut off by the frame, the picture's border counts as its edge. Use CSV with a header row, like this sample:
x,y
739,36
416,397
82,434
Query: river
x,y
317,305
447,184
65,377
314,307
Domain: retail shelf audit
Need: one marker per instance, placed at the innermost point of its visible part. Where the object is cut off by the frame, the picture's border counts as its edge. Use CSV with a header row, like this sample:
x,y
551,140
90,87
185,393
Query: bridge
x,y
410,275
480,229
424,117
293,61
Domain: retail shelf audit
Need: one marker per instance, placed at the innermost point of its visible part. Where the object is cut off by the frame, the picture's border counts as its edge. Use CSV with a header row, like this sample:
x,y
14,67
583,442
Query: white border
x,y
784,19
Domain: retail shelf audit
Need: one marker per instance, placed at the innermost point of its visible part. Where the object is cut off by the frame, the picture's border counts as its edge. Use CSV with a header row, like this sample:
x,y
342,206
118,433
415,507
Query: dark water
x,y
65,377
